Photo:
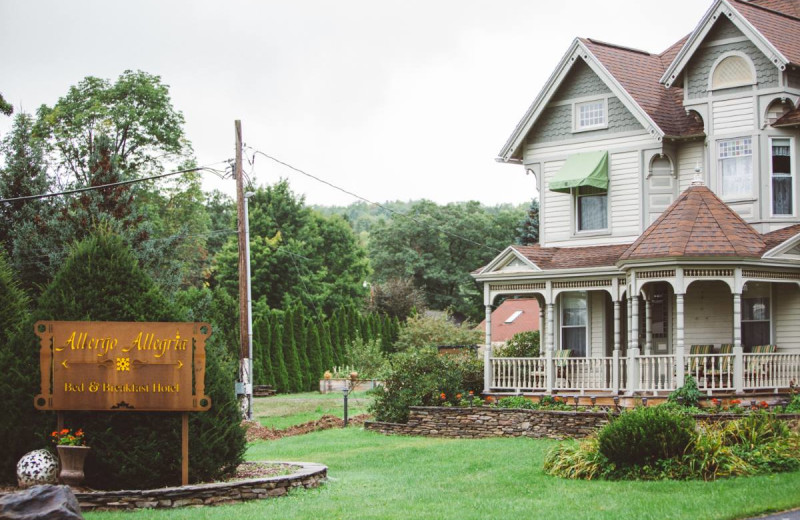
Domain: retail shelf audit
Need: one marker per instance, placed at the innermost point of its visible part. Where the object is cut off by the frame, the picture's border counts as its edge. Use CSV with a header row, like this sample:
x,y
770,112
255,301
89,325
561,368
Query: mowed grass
x,y
285,410
372,476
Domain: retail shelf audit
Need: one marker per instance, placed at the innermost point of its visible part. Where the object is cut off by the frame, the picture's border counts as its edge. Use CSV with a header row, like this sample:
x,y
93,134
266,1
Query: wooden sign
x,y
122,366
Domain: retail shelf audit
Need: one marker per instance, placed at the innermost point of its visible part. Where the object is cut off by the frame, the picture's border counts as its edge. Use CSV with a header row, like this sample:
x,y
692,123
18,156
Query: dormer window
x,y
733,70
590,115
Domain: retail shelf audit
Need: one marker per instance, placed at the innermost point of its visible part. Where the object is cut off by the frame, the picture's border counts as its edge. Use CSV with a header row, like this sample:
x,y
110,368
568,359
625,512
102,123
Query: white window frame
x,y
576,114
586,325
576,196
791,176
739,195
719,60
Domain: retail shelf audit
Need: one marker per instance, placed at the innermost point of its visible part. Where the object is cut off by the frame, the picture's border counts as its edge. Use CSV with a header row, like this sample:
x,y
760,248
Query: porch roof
x,y
697,224
547,258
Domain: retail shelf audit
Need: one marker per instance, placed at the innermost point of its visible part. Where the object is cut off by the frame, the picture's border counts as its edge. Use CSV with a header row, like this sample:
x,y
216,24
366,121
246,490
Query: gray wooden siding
x,y
786,308
708,314
581,81
555,121
699,67
597,306
689,156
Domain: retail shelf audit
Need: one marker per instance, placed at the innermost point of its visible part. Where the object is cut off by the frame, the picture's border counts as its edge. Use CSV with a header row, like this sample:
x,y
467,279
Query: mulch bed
x,y
255,431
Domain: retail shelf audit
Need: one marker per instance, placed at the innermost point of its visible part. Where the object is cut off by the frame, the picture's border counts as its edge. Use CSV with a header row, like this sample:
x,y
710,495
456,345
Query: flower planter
x,y
72,459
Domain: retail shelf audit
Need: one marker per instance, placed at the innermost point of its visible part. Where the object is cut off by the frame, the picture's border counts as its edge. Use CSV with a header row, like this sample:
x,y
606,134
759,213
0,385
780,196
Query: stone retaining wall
x,y
480,422
308,476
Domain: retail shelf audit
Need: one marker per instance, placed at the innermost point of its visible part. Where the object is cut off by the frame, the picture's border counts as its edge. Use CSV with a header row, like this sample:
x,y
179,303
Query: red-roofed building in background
x,y
669,217
512,316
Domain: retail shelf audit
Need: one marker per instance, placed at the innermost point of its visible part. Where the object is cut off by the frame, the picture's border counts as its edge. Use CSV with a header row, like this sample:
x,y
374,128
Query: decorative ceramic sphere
x,y
37,467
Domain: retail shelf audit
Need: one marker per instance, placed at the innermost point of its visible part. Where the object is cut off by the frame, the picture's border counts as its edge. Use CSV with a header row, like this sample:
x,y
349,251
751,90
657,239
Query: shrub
x,y
102,281
430,331
366,358
645,435
521,344
576,460
688,395
420,377
794,405
516,401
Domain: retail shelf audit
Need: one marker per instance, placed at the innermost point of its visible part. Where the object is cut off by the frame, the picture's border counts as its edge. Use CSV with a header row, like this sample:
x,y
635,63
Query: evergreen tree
x,y
315,354
300,323
327,347
282,383
528,230
290,355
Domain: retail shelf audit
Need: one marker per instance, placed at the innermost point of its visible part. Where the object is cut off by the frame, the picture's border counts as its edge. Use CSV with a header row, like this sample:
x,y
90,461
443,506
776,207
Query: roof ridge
x,y
767,9
621,47
714,217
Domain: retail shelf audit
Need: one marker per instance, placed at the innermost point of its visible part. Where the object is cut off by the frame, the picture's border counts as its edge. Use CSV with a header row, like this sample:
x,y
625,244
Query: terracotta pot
x,y
72,459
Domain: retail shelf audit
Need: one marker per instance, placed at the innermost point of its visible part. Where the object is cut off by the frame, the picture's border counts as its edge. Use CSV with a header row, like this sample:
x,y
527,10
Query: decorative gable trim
x,y
577,50
789,248
510,260
696,39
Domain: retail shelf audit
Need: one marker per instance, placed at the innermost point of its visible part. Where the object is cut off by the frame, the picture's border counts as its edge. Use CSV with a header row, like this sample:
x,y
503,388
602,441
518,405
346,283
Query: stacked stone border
x,y
309,475
484,421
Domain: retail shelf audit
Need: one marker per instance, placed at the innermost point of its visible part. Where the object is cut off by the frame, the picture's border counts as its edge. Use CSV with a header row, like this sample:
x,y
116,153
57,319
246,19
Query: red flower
x,y
442,396
458,396
715,401
736,402
471,393
763,404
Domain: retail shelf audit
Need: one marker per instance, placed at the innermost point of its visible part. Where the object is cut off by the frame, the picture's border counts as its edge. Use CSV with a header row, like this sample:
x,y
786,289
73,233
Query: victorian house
x,y
670,228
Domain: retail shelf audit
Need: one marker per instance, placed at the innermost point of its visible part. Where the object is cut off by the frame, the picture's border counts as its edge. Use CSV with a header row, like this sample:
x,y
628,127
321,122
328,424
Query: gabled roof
x,y
789,119
697,224
577,50
772,31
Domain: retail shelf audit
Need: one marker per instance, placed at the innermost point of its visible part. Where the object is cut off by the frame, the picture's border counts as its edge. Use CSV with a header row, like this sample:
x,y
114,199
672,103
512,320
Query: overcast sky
x,y
391,100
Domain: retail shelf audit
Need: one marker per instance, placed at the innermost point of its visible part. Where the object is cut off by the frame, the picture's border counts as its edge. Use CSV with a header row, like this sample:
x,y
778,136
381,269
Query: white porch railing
x,y
735,372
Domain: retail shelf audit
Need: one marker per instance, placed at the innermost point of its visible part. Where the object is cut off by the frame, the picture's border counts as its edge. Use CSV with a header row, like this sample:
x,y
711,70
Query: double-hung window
x,y
736,167
592,208
781,172
574,322
756,314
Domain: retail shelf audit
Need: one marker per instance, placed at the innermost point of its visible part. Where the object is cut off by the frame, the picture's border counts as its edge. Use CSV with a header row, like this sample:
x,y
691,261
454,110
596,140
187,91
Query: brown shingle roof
x,y
638,73
790,7
776,238
528,320
547,258
789,119
780,26
697,224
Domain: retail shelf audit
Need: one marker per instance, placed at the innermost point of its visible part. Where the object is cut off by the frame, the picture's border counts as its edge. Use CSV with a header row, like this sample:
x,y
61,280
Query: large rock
x,y
41,503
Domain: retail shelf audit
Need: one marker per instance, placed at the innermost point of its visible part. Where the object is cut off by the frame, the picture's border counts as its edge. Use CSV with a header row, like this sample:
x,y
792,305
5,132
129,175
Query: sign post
x,y
124,366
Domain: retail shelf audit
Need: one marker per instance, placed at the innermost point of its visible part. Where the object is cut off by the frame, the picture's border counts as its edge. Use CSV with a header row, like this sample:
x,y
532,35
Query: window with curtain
x,y
736,167
592,209
574,321
782,182
755,321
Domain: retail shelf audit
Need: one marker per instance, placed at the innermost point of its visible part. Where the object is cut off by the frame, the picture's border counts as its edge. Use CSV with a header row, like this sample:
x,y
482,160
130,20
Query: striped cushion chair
x,y
561,362
759,364
694,350
726,363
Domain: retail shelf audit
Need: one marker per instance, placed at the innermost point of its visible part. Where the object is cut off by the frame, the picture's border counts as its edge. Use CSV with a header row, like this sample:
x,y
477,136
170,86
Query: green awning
x,y
582,169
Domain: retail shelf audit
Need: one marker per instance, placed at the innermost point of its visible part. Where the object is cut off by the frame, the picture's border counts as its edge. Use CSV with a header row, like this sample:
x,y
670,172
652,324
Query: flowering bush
x,y
65,437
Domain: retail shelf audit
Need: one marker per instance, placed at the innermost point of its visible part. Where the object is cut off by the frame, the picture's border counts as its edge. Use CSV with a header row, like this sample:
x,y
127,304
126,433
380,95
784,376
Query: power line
x,y
110,185
376,204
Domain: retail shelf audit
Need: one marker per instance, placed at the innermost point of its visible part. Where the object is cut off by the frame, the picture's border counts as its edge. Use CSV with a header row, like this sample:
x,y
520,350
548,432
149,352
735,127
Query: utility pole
x,y
245,386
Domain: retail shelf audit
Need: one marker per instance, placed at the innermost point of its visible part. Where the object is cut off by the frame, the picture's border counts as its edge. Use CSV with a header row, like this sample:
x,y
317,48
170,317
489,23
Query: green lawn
x,y
379,477
284,410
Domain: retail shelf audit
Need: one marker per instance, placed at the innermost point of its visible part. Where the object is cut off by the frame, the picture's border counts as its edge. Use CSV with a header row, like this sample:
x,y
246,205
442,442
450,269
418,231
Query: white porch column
x,y
738,351
549,326
635,321
630,313
615,372
487,352
541,331
680,349
648,328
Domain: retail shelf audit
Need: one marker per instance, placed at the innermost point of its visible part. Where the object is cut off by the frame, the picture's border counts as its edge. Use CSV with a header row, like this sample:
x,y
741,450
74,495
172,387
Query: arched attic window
x,y
732,70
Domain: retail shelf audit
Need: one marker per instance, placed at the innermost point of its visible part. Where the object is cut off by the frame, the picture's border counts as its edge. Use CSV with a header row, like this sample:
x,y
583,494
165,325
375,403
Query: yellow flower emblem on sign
x,y
123,364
